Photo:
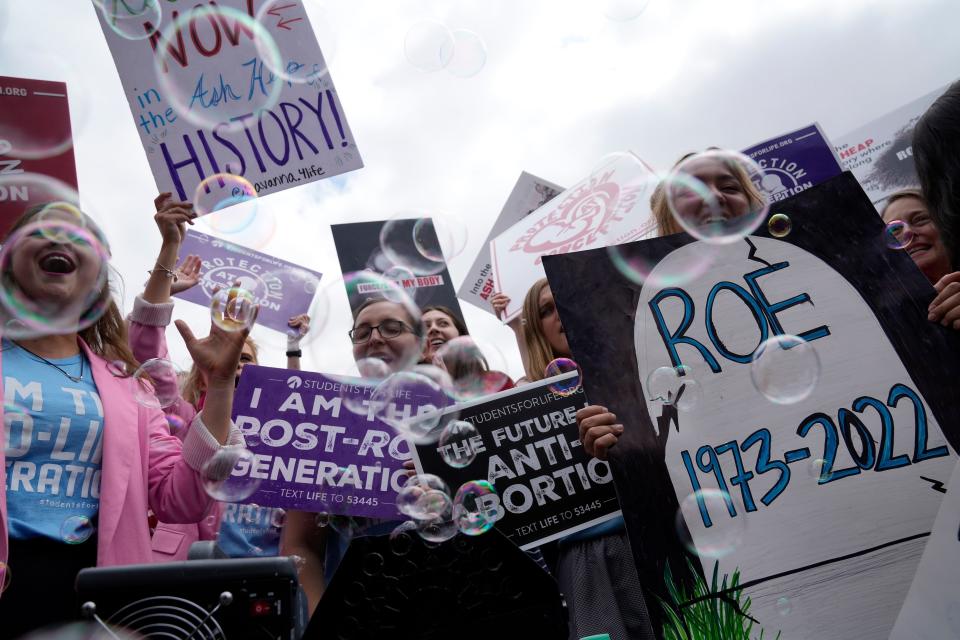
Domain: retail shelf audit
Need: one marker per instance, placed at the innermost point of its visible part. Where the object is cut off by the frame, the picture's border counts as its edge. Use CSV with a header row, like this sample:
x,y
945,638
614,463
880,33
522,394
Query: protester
x,y
468,368
249,530
391,332
53,379
441,325
936,154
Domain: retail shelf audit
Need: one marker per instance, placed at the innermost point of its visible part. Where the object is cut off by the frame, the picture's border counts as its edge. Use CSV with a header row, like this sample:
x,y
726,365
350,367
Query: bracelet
x,y
295,354
166,272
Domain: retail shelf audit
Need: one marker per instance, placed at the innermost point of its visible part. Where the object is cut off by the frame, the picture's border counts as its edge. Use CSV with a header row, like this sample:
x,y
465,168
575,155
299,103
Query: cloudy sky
x,y
562,85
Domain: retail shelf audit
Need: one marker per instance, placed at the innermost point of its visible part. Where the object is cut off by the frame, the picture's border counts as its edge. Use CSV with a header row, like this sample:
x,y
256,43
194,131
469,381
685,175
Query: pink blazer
x,y
142,465
147,326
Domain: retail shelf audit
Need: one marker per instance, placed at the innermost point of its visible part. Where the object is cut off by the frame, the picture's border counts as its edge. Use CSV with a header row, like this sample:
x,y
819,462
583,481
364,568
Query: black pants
x,y
40,585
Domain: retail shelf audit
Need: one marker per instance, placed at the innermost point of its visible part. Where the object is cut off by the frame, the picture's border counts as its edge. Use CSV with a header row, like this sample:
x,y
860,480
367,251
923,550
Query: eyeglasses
x,y
389,329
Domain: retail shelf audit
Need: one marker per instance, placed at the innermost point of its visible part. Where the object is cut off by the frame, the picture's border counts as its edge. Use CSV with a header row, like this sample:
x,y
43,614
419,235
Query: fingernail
x,y
618,427
931,316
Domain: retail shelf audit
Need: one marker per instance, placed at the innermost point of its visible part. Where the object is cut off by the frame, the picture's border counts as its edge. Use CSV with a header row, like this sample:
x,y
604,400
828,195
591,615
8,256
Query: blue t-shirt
x,y
53,431
249,530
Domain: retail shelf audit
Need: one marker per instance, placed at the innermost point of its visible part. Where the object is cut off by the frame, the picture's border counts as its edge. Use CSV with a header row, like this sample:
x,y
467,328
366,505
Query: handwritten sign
x,y
312,451
36,146
529,194
237,86
608,207
527,446
281,288
815,498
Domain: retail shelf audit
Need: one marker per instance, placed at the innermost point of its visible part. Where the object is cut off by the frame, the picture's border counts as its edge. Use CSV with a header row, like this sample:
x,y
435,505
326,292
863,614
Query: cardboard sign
x,y
527,446
401,259
281,288
311,451
880,153
815,502
529,194
795,161
608,207
237,86
35,139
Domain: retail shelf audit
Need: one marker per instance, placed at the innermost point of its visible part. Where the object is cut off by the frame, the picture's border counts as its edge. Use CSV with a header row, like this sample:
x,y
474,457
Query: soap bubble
x,y
222,190
399,247
640,269
818,469
67,293
664,384
226,475
475,507
322,519
399,275
157,383
432,504
347,527
355,393
417,486
567,386
455,444
465,363
468,56
784,605
785,369
624,10
76,529
412,403
718,196
176,424
372,564
400,541
897,234
233,309
779,225
245,225
438,529
428,45
718,540
234,104
133,20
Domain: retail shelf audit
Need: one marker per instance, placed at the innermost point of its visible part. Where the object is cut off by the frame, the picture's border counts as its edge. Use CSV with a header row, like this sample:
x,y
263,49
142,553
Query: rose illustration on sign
x,y
579,221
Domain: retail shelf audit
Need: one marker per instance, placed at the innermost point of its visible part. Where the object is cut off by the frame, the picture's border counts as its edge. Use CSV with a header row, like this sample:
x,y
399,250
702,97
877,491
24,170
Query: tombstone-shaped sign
x,y
810,480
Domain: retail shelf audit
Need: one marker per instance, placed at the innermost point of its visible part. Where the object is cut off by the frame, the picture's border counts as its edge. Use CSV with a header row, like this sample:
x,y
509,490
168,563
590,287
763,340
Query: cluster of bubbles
x,y
457,443
226,476
677,386
418,246
716,541
435,517
469,369
430,46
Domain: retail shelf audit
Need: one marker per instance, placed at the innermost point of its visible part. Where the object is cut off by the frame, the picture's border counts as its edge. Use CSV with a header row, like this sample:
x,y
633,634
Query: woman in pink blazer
x,y
84,460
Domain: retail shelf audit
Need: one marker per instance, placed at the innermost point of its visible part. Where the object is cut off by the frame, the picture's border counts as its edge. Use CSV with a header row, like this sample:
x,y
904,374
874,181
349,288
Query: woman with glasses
x,y
391,332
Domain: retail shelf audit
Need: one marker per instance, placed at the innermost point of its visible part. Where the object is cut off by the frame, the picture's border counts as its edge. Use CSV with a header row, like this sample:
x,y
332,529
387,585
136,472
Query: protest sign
x,y
36,146
281,288
317,445
233,87
932,608
608,207
808,497
794,161
880,153
527,446
396,249
529,194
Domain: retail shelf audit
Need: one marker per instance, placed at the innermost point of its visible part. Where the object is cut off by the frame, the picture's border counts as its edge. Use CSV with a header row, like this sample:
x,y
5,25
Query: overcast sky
x,y
562,85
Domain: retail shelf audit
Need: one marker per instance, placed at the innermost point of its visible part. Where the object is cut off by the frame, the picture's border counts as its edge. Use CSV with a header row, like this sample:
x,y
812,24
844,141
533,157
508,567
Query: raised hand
x,y
299,325
217,355
172,217
187,275
500,301
599,430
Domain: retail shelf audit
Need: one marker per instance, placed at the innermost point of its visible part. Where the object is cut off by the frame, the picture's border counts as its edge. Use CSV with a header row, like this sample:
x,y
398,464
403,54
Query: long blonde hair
x,y
539,351
195,386
666,222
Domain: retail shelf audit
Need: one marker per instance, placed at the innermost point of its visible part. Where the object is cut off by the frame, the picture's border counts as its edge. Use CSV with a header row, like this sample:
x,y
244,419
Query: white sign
x,y
237,86
529,194
610,206
880,153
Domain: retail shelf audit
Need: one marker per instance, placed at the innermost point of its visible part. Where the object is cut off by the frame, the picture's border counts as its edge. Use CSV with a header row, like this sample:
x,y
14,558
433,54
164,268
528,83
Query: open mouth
x,y
58,263
437,342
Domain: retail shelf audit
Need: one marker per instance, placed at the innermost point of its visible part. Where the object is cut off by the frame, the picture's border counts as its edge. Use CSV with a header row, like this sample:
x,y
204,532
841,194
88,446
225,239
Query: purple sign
x,y
282,289
795,161
317,445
